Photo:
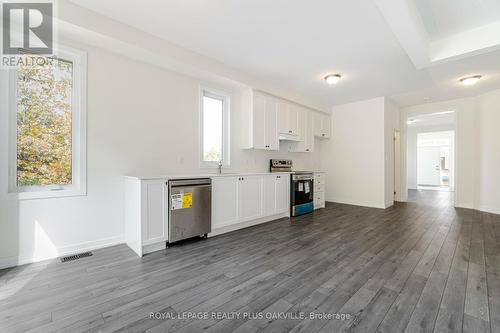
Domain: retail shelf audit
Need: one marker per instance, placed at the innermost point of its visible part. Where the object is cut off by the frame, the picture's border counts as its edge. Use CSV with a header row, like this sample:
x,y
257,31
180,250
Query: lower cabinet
x,y
238,199
235,199
146,214
319,189
225,201
283,194
250,197
276,194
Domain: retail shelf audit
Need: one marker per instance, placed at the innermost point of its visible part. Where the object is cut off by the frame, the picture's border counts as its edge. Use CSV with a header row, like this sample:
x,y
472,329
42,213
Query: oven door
x,y
302,191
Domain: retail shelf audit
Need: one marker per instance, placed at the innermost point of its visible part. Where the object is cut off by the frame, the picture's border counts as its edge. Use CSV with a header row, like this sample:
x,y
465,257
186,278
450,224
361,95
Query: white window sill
x,y
215,166
44,194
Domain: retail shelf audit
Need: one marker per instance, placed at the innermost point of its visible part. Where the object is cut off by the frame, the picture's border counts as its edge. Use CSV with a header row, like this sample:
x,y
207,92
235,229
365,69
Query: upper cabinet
x,y
321,125
260,122
267,119
288,118
306,134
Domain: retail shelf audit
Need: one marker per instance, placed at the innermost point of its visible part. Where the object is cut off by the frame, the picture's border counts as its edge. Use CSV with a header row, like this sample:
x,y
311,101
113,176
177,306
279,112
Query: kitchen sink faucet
x,y
220,167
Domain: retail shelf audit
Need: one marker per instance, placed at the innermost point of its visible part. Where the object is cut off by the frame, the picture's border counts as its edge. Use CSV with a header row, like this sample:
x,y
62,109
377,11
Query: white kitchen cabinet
x,y
288,118
269,194
282,194
156,210
237,201
225,203
276,197
321,125
146,214
250,198
319,189
261,122
306,135
267,120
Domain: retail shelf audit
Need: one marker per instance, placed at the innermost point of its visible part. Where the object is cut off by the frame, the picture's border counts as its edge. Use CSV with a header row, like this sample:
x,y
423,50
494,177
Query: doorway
x,y
429,155
435,161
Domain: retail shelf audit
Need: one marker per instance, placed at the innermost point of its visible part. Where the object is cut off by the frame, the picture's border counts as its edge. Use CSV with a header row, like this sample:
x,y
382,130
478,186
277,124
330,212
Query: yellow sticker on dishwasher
x,y
187,200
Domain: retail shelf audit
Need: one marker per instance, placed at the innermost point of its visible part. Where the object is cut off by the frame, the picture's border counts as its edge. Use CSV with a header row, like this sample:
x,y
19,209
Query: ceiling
x,y
445,118
444,17
294,44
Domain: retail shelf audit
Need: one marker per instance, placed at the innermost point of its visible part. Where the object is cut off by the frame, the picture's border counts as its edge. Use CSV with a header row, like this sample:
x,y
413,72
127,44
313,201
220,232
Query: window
x,y
47,141
214,129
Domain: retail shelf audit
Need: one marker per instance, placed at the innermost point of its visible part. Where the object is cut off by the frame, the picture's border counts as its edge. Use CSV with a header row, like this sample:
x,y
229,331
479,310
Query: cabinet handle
x,y
307,149
289,131
322,134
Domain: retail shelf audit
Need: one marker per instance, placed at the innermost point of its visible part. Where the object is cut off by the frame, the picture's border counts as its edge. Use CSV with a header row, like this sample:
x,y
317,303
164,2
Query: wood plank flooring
x,y
421,266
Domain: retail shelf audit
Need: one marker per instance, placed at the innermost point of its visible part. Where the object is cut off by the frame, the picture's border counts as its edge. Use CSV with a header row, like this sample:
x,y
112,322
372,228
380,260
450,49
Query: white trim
x,y
463,205
492,210
153,247
226,118
79,134
241,225
357,203
63,251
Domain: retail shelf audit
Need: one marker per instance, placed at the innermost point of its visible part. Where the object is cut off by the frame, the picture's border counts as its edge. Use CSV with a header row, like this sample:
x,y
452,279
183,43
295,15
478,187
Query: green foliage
x,y
44,147
212,155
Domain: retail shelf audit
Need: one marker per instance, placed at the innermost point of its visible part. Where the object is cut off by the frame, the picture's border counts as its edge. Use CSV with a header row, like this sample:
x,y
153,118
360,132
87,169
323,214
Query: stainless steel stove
x,y
301,187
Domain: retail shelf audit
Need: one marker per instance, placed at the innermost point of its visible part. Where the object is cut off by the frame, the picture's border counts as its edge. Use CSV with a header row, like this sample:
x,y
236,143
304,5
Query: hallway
x,y
431,197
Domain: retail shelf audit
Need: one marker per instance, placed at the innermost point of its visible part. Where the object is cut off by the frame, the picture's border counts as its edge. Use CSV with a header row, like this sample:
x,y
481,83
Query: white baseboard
x,y
463,205
356,203
154,247
242,225
491,210
62,251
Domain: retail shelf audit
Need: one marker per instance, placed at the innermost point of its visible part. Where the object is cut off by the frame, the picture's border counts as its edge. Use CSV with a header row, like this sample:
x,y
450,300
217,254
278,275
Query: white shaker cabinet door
x,y
259,122
283,193
224,201
155,210
250,197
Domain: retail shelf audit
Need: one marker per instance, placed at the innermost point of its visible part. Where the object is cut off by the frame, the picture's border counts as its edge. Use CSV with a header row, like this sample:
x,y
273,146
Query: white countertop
x,y
204,175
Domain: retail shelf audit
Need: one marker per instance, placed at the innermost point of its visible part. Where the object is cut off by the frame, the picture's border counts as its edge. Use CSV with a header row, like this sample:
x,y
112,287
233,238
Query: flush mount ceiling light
x,y
333,78
470,80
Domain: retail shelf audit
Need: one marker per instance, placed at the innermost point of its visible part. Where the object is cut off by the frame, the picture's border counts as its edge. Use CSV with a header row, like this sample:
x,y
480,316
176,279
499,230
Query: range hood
x,y
289,137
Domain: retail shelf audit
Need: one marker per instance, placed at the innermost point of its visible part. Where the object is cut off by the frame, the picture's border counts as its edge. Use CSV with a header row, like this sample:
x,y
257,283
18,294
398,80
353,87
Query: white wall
x,y
489,152
141,120
354,156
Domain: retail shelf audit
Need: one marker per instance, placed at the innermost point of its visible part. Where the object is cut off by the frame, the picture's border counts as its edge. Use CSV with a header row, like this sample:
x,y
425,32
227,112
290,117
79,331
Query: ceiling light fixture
x,y
411,121
333,78
470,80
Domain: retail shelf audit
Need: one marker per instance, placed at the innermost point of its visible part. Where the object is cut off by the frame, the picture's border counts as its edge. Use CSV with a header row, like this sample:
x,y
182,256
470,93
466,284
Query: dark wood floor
x,y
417,267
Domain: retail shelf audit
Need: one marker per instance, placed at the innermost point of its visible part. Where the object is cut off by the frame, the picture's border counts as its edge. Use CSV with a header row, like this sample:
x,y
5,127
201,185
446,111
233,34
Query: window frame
x,y
226,135
78,133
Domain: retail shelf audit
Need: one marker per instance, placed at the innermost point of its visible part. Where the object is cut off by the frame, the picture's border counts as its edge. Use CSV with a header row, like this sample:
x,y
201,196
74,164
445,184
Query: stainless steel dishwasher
x,y
189,208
